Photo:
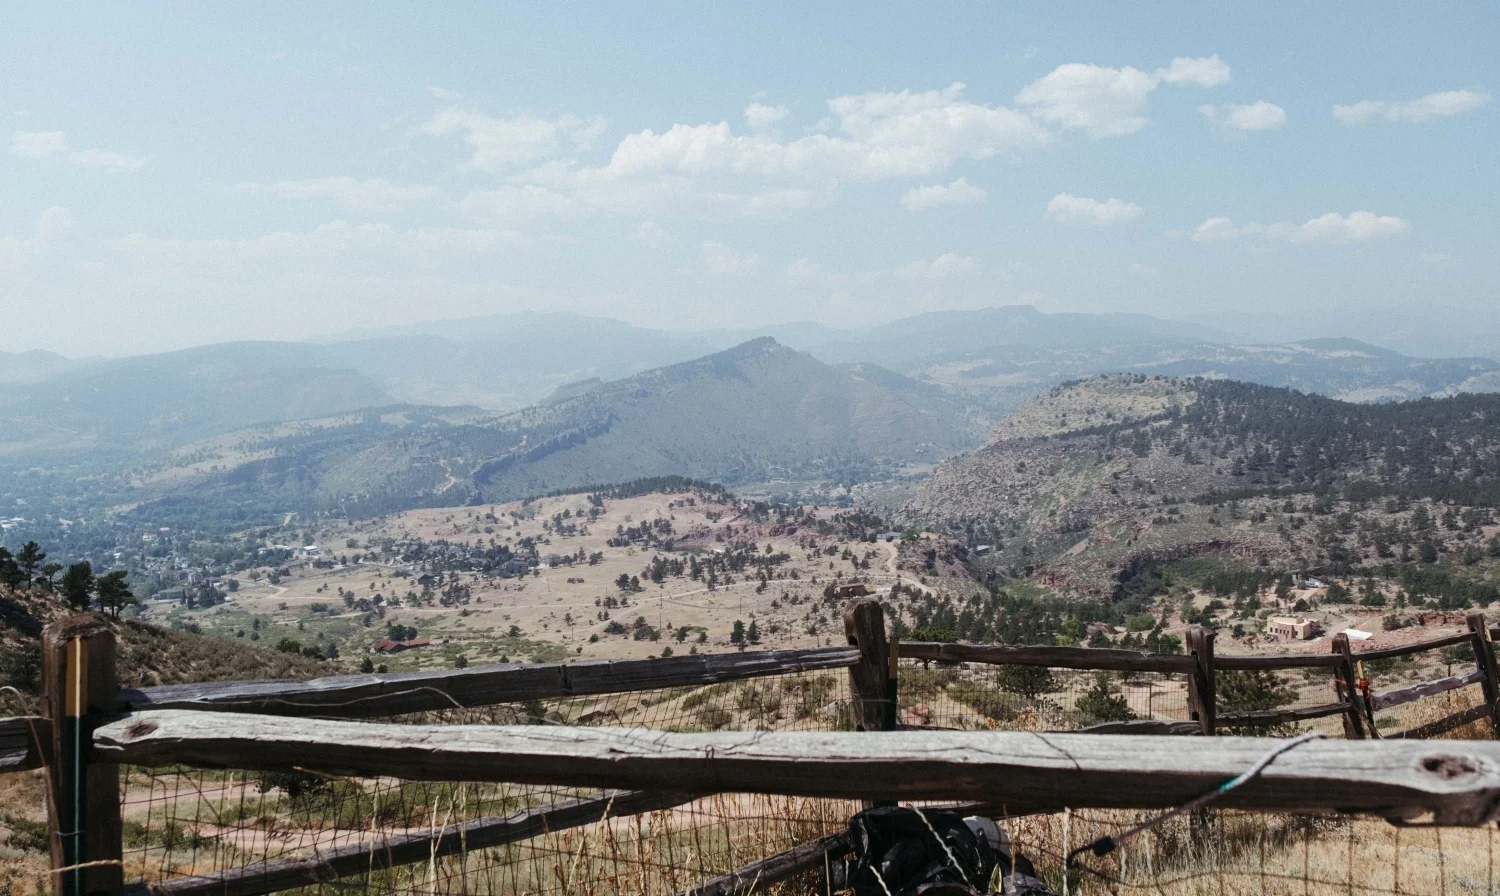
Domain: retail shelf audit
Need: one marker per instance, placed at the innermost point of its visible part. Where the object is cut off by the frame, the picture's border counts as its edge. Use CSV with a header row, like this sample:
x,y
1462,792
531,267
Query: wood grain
x,y
1411,692
19,745
773,869
406,849
374,695
1024,772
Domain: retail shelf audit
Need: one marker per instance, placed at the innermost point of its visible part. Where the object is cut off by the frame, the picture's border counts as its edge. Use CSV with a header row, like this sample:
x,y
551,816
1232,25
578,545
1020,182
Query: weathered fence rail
x,y
366,696
1456,781
90,727
23,741
413,848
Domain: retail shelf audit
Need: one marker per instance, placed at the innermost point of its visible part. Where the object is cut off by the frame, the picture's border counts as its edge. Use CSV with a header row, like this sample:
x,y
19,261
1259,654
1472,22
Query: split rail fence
x,y
646,775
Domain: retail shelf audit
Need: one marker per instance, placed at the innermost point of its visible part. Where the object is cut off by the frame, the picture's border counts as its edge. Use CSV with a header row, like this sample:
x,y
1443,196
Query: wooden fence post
x,y
79,691
1346,688
1201,694
870,679
1484,655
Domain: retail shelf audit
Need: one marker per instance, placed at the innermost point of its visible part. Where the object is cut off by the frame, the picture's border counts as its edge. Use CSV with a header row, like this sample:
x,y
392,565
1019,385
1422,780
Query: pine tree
x,y
29,559
78,586
113,593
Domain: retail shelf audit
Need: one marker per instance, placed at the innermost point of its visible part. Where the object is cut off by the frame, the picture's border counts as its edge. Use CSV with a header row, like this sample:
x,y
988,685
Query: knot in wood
x,y
139,729
1450,767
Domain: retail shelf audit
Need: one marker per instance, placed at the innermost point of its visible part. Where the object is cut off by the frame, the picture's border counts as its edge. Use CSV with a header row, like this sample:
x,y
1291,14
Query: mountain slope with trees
x,y
1095,477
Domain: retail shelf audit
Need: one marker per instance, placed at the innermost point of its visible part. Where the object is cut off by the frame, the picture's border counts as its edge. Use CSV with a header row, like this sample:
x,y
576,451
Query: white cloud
x,y
804,269
1444,104
723,261
42,144
376,195
1437,258
879,135
760,117
949,264
38,144
1335,228
649,233
959,192
1110,102
52,226
1199,72
1328,228
1257,116
1221,228
513,205
505,143
1066,208
109,161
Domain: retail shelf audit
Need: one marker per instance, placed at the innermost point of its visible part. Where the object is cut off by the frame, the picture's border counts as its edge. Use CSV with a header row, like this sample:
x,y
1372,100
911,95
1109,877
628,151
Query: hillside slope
x,y
157,401
755,412
1092,477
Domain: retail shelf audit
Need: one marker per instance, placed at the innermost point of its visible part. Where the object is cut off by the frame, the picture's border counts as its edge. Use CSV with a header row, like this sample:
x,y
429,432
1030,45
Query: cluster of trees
x,y
79,587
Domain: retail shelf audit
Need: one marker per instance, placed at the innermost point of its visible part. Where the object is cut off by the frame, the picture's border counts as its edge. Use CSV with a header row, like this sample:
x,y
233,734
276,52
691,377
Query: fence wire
x,y
971,696
181,821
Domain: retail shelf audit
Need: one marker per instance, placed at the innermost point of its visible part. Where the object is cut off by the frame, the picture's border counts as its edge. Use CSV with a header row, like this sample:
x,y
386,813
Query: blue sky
x,y
187,173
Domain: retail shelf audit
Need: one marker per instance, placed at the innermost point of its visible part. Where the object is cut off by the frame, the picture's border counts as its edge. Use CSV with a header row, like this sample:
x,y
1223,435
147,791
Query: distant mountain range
x,y
757,412
987,361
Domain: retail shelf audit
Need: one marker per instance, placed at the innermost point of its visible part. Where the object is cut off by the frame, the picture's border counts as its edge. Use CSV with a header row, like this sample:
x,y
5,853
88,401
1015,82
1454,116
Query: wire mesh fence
x,y
971,696
1229,852
180,821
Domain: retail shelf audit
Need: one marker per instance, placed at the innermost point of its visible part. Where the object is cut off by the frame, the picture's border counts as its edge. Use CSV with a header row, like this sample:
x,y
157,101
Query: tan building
x,y
1295,627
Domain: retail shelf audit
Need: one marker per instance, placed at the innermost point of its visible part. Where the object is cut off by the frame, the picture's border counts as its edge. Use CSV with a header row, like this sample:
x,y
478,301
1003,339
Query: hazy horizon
x,y
181,175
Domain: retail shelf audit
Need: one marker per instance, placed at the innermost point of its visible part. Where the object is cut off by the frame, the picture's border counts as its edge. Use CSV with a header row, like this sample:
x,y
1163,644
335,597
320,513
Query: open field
x,y
564,609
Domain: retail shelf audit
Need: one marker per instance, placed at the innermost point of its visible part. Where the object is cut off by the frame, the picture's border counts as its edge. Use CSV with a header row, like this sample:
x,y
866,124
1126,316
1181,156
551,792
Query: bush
x,y
1104,702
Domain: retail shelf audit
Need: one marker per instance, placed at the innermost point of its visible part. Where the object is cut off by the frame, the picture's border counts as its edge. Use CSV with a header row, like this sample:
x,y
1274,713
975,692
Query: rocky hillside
x,y
147,655
1092,478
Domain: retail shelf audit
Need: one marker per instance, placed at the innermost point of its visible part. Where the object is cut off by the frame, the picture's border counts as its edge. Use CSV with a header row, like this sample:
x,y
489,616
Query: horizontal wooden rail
x,y
1141,726
367,696
1445,724
1398,696
1281,716
1088,658
764,873
1277,661
1386,653
1023,772
20,739
409,849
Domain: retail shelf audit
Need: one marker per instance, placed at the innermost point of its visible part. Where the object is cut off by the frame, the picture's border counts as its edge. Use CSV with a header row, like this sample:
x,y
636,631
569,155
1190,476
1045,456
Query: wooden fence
x,y
89,728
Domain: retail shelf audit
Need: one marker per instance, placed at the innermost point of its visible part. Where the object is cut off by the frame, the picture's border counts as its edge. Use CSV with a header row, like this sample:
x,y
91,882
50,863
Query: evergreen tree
x,y
113,593
29,560
10,574
1104,702
737,634
78,586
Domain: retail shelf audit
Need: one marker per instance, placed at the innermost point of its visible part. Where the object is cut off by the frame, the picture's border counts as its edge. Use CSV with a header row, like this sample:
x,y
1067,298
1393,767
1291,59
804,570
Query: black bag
x,y
931,853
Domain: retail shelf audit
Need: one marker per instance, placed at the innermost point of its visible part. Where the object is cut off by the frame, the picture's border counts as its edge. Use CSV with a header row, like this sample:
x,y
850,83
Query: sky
x,y
182,174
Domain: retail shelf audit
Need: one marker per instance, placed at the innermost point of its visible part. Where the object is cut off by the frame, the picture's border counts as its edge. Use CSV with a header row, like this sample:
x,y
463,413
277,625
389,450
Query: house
x,y
389,646
1298,628
852,589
